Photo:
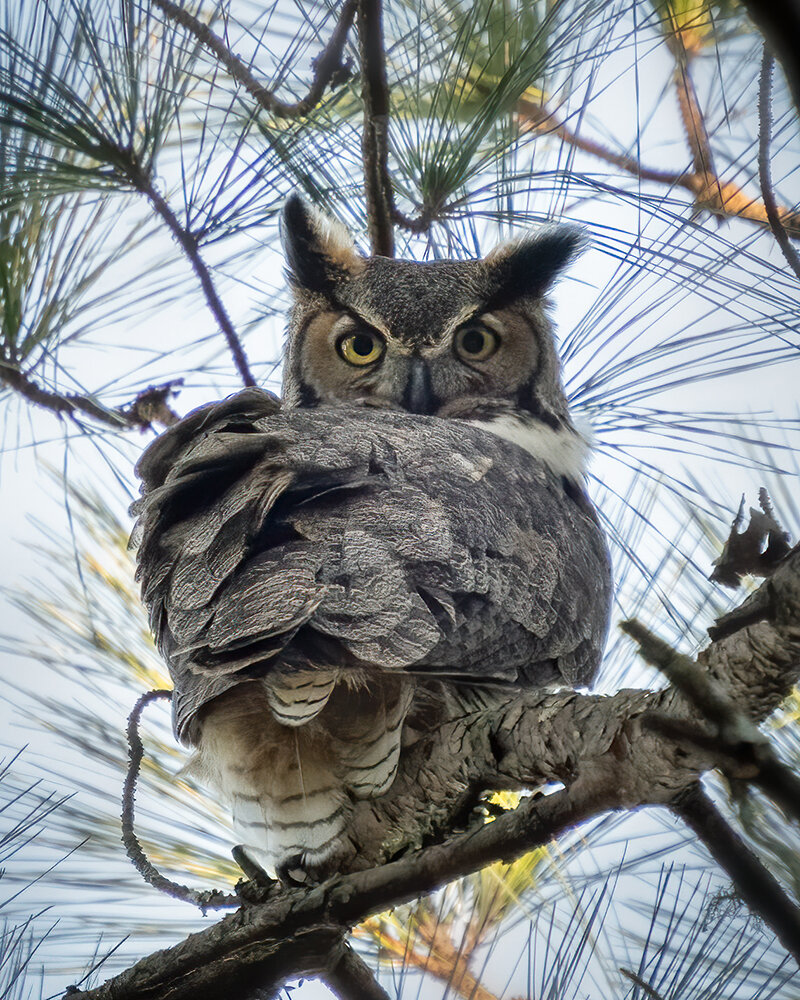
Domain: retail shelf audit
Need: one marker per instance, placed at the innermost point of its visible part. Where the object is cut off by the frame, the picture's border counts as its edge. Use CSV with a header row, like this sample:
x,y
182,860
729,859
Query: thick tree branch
x,y
283,937
328,65
600,748
150,406
375,137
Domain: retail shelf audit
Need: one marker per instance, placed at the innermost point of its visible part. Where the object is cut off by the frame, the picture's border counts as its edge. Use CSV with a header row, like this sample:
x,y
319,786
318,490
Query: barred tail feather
x,y
292,784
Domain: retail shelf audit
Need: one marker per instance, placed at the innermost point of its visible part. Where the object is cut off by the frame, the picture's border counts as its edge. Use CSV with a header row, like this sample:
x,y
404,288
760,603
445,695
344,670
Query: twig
x,y
764,172
206,899
375,137
754,884
148,408
648,989
188,243
779,23
694,125
352,979
328,66
721,197
737,735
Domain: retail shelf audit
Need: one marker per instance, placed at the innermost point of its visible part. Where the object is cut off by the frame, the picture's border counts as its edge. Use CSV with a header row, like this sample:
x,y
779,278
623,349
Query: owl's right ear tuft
x,y
319,250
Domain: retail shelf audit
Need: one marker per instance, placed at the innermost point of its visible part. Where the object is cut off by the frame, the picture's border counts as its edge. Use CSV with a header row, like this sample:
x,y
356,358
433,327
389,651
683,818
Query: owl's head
x,y
452,338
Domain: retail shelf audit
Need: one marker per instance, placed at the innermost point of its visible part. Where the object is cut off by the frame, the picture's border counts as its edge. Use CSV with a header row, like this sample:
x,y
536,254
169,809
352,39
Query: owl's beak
x,y
418,396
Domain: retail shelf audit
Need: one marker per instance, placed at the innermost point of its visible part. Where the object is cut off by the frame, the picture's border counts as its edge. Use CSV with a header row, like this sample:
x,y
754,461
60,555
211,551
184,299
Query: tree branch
x,y
150,406
600,748
764,172
282,937
375,137
721,197
328,65
754,884
749,749
779,23
352,979
188,243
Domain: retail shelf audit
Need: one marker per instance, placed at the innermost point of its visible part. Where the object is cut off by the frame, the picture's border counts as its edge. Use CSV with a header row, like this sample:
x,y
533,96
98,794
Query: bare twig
x,y
644,986
721,197
205,899
764,172
694,125
149,407
328,66
754,884
352,979
188,243
779,23
375,138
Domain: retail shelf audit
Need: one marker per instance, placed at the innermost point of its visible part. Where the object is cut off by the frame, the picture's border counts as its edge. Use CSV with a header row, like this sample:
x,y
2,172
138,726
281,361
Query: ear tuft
x,y
319,250
528,266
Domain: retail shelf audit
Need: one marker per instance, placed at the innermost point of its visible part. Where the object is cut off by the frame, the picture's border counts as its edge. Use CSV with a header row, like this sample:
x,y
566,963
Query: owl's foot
x,y
257,884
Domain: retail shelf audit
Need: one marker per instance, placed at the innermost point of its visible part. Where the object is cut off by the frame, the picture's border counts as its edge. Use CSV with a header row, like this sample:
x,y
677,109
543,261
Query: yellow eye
x,y
361,348
475,343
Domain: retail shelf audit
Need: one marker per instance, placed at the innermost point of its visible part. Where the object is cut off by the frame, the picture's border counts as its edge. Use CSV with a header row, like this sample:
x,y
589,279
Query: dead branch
x,y
148,408
328,65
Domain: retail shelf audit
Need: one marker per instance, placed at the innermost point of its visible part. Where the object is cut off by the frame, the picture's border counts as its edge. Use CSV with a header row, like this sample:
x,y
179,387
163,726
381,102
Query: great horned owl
x,y
410,521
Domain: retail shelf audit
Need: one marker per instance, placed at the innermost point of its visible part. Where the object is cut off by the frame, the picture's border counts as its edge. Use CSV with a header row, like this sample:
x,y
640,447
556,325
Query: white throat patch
x,y
565,451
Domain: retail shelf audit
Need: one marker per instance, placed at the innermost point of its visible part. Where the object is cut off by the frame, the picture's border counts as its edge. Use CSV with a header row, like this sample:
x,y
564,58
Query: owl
x,y
330,573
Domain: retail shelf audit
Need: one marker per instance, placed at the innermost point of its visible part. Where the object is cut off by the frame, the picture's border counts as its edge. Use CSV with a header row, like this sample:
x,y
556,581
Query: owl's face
x,y
446,338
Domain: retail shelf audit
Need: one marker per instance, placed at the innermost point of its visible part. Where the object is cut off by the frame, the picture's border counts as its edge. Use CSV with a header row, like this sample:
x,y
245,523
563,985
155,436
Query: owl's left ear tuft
x,y
528,266
319,250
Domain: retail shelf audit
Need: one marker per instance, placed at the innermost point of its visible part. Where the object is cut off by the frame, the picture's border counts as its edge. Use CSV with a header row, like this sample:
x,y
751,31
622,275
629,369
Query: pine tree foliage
x,y
146,150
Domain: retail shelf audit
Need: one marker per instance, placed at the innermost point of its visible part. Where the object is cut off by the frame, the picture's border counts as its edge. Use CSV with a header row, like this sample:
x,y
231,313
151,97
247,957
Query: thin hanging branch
x,y
205,899
328,65
764,171
375,137
149,407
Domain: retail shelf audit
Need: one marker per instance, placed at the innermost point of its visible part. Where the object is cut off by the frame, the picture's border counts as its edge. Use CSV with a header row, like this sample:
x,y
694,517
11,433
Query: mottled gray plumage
x,y
312,572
